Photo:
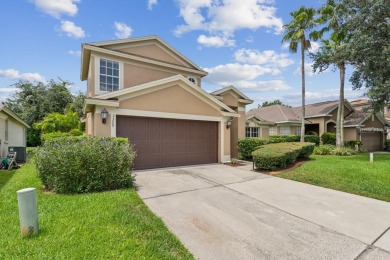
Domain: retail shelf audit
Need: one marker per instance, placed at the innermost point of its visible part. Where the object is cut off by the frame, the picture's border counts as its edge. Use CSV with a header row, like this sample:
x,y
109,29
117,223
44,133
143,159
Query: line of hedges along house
x,y
147,91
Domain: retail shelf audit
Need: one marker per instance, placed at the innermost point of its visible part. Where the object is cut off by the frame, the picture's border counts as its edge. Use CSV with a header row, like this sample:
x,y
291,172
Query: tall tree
x,y
33,101
333,15
271,103
369,48
298,33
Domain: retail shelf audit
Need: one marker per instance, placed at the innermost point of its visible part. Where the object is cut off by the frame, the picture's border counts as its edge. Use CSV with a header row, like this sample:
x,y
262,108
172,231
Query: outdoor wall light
x,y
229,123
104,115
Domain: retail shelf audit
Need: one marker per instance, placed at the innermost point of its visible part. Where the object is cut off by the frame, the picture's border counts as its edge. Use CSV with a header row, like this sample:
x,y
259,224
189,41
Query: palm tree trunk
x,y
303,43
340,111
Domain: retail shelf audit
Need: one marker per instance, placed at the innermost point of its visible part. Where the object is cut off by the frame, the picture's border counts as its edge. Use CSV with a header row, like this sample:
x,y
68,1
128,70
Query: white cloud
x,y
71,29
285,46
308,70
236,72
74,53
216,41
244,76
122,30
327,94
268,57
8,90
227,16
15,75
259,86
314,47
57,8
250,39
151,3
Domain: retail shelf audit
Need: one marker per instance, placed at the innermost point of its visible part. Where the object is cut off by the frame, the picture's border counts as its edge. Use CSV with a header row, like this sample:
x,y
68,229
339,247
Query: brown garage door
x,y
170,142
372,141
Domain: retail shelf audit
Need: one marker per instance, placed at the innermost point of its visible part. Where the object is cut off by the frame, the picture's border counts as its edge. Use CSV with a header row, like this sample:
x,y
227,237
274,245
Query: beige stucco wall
x,y
136,75
91,78
226,134
89,122
373,121
350,134
265,132
172,99
230,100
155,52
100,129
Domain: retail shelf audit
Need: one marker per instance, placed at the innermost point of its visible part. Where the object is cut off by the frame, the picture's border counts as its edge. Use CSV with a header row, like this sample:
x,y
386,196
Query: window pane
x,y
115,81
102,70
115,65
103,87
109,64
109,87
109,80
115,72
109,71
102,79
103,62
115,87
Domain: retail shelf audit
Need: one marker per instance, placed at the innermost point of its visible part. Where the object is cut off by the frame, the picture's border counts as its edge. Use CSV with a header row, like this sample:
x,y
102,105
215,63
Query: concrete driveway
x,y
223,212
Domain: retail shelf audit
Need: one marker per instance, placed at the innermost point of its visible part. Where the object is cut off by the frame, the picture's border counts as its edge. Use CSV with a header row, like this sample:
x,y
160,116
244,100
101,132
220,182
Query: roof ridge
x,y
281,111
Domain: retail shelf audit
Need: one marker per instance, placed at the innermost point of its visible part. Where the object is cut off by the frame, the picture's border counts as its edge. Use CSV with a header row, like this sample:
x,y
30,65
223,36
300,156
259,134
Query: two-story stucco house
x,y
152,94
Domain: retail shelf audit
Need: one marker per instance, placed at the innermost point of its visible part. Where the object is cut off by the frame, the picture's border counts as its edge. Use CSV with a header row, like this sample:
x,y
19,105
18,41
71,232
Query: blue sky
x,y
237,41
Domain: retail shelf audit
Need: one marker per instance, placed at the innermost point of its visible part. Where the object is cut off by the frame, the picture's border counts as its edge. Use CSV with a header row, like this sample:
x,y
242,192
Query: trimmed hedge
x,y
79,164
247,145
328,138
281,155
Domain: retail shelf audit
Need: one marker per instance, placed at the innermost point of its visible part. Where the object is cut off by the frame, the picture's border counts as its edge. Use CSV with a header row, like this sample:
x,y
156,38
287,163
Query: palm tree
x,y
333,15
297,32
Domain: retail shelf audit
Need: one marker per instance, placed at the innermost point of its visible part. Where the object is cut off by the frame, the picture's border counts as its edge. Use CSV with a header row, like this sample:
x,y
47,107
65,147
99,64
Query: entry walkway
x,y
223,212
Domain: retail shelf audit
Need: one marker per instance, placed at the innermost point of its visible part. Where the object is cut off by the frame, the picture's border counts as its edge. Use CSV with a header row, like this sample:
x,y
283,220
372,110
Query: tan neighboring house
x,y
152,95
365,106
319,118
13,133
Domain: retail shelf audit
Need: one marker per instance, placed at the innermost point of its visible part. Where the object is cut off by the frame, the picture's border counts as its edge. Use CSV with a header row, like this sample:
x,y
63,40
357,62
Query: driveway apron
x,y
223,212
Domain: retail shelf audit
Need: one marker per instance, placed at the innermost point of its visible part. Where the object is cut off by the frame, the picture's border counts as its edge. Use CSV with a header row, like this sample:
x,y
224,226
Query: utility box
x,y
20,153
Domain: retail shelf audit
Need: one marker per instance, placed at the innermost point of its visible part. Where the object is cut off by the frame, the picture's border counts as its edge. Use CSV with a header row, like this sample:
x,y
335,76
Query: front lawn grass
x,y
106,225
353,174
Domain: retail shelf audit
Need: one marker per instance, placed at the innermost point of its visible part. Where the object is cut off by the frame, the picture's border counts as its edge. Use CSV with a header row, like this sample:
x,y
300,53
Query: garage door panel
x,y
372,141
169,142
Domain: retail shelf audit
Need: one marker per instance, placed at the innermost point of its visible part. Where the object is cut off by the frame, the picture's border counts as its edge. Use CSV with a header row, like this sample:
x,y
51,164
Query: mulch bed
x,y
296,165
235,164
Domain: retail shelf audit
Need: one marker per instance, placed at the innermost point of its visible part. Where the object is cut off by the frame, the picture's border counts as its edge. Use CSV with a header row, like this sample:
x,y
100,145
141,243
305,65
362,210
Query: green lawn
x,y
353,174
107,225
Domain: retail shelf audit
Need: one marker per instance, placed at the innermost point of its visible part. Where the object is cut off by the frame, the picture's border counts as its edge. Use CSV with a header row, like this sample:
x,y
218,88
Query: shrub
x,y
324,149
283,138
344,151
248,145
79,164
75,132
312,139
280,155
328,138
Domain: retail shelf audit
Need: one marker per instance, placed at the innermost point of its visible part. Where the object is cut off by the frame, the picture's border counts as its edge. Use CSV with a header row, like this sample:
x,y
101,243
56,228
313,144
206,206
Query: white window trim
x,y
97,74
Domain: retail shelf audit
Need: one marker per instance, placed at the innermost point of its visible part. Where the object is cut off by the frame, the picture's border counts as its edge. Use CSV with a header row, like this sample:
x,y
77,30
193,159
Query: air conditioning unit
x,y
20,153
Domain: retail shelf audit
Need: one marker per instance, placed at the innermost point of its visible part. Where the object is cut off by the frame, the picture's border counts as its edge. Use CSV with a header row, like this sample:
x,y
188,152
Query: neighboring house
x,y
13,132
319,118
365,106
153,96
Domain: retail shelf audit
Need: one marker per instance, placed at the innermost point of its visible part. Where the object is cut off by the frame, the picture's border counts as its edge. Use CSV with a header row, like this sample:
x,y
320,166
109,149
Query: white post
x,y
371,157
28,214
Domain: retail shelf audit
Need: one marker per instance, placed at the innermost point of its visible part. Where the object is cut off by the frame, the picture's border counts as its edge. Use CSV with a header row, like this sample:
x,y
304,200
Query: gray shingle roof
x,y
356,118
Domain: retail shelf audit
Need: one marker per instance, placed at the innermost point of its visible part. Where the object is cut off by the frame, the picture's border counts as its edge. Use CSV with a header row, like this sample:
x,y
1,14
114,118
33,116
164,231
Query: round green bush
x,y
328,138
80,164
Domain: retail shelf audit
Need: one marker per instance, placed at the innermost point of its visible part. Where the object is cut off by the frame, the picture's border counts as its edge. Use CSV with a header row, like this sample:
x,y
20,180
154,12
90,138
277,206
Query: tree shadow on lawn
x,y
5,176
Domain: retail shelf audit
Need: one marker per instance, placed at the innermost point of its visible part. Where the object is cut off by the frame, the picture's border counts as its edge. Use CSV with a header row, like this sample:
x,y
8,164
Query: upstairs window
x,y
109,75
